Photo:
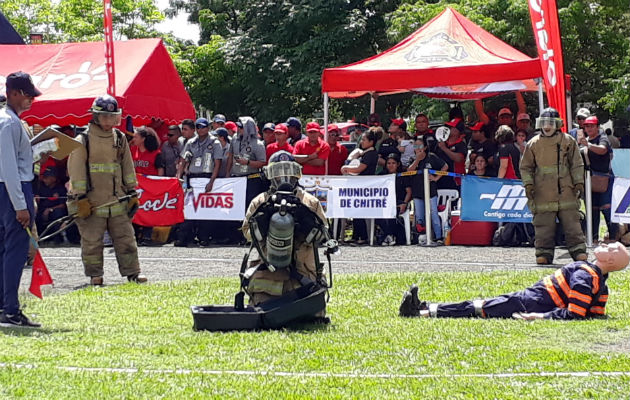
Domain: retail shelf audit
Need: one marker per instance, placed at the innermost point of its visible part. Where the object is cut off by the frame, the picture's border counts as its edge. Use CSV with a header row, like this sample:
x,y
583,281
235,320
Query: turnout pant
x,y
92,230
14,245
503,306
545,228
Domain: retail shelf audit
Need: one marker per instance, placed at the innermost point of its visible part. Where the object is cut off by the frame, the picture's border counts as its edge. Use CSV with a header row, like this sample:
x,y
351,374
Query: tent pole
x,y
372,103
326,125
541,104
569,113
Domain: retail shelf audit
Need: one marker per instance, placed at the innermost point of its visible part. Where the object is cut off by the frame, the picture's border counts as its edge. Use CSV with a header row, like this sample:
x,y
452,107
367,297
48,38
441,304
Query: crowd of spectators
x,y
489,147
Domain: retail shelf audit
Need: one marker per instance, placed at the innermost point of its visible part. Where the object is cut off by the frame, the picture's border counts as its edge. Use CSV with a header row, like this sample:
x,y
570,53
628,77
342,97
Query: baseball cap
x,y
477,127
50,171
294,122
221,132
333,127
230,125
457,123
522,116
269,126
374,117
312,126
22,81
583,112
401,123
281,128
203,122
505,110
591,120
219,118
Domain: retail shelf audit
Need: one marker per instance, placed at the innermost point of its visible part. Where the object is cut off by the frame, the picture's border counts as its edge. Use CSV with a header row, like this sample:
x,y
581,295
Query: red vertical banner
x,y
544,16
109,47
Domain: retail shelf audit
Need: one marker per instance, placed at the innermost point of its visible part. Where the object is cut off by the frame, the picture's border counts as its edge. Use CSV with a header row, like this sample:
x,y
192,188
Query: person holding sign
x,y
16,197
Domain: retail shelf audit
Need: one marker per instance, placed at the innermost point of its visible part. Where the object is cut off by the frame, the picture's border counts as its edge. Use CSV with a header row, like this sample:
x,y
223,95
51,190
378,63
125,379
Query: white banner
x,y
621,201
225,202
354,196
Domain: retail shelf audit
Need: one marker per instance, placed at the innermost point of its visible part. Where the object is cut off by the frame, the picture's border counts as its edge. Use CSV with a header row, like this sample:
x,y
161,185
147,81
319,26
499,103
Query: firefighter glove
x,y
578,189
529,192
132,206
84,208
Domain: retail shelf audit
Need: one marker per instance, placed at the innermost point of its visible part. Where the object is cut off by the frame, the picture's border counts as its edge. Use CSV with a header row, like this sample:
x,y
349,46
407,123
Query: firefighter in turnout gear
x,y
102,193
552,171
576,291
285,225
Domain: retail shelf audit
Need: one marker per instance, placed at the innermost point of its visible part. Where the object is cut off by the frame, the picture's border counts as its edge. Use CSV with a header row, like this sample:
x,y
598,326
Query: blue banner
x,y
494,199
621,163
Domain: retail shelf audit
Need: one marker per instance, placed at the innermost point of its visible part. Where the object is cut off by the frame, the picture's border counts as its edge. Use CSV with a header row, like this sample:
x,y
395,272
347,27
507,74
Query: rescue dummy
x,y
102,193
576,291
286,225
552,171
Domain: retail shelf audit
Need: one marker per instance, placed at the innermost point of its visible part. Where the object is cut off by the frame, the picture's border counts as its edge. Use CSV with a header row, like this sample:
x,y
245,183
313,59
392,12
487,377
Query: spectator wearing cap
x,y
393,230
231,128
218,121
508,154
281,133
523,122
599,153
374,120
223,137
171,149
295,130
338,152
398,129
580,117
268,134
505,115
312,152
480,144
51,204
423,159
453,151
422,129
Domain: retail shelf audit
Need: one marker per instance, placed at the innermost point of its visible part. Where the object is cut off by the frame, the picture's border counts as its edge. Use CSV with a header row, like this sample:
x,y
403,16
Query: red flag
x,y
40,276
109,47
544,16
161,201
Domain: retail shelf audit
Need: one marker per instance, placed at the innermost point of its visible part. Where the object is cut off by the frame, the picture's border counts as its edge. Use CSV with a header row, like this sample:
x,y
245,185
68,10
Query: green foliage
x,y
136,342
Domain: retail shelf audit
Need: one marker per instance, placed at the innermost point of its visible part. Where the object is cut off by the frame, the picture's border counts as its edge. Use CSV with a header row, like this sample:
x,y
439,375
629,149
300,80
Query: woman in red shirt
x,y
145,151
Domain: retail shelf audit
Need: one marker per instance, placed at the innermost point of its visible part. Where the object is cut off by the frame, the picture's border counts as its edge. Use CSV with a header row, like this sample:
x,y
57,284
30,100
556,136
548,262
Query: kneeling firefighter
x,y
286,225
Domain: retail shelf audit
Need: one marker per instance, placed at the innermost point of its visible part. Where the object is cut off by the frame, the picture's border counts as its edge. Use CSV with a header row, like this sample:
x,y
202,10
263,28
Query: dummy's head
x,y
549,121
105,112
283,172
611,257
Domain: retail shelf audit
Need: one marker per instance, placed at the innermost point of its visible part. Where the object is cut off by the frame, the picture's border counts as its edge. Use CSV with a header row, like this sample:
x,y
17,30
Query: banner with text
x,y
494,199
621,201
621,163
354,196
161,201
226,201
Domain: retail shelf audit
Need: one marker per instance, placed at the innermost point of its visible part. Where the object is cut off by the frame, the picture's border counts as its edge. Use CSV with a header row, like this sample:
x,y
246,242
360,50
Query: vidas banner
x,y
354,196
621,201
226,201
494,199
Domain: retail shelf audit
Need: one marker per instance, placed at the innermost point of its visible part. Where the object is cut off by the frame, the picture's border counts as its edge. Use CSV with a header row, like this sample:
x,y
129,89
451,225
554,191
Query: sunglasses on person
x,y
170,135
418,146
581,118
333,134
201,126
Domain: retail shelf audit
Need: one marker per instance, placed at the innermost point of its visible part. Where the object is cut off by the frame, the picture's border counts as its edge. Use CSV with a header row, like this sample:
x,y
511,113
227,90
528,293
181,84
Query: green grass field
x,y
131,341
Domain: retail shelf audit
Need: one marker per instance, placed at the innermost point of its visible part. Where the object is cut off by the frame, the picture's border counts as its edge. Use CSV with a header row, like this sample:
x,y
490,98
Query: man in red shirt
x,y
453,152
281,133
338,152
312,152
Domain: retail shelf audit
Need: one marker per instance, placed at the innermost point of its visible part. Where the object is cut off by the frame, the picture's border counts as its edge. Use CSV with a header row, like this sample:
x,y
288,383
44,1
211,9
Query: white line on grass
x,y
437,262
130,371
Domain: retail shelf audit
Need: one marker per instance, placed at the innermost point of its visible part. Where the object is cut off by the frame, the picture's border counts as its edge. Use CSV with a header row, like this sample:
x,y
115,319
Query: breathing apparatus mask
x,y
549,121
283,172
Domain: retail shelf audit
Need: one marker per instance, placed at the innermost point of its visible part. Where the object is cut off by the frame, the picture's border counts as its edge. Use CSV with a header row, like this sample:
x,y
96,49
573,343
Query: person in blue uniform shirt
x,y
16,196
576,291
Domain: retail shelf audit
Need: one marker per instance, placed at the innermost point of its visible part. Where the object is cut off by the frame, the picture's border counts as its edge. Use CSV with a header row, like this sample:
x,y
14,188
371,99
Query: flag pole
x,y
109,47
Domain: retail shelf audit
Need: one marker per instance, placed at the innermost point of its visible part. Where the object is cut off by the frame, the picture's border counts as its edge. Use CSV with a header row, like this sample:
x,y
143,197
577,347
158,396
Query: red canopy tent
x,y
71,75
446,52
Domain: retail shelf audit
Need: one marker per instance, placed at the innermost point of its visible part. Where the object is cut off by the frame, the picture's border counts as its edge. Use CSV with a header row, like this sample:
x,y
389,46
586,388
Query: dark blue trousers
x,y
528,300
14,243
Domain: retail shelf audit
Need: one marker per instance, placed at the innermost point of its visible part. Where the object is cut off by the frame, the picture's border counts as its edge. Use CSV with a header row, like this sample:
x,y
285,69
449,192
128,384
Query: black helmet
x,y
283,171
549,121
105,104
550,112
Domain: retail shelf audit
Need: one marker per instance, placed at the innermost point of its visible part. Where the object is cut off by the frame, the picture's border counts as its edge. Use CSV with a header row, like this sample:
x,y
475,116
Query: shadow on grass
x,y
27,332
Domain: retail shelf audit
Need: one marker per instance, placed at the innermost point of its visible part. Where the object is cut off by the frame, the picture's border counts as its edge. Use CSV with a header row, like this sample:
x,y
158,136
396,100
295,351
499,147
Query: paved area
x,y
175,263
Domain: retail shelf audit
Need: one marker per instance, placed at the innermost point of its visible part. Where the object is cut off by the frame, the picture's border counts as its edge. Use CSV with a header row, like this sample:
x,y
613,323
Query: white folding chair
x,y
446,197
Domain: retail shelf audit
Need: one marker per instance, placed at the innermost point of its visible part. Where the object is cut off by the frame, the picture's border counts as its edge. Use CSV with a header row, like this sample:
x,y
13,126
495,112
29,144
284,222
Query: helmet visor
x,y
113,119
284,172
546,123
